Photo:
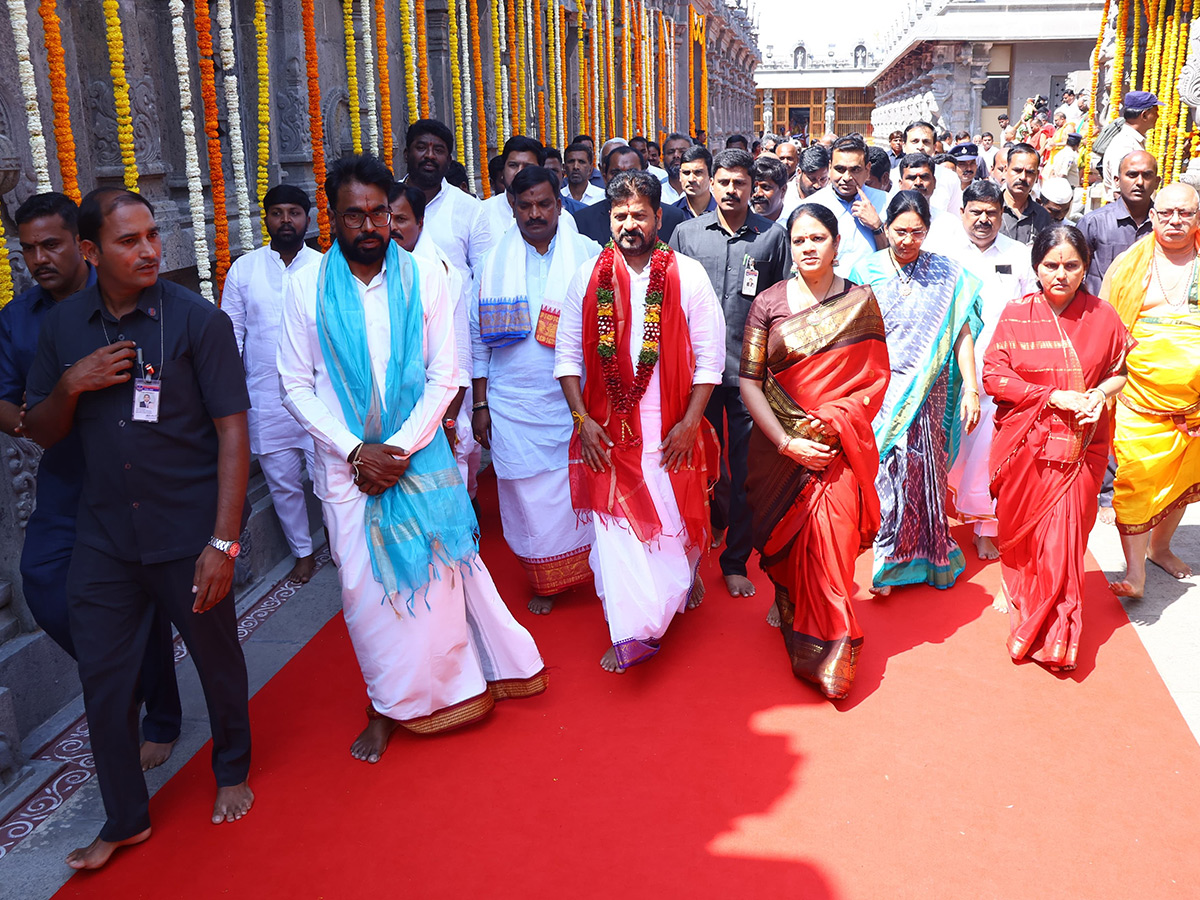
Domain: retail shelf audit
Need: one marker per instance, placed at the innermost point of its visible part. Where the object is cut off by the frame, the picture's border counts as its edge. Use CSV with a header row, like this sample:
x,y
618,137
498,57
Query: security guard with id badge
x,y
147,374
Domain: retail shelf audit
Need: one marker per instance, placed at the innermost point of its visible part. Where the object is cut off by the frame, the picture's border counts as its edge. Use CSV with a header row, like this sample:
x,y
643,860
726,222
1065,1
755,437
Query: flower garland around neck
x,y
116,62
352,75
264,107
64,137
216,174
622,398
233,109
385,81
316,129
368,52
191,149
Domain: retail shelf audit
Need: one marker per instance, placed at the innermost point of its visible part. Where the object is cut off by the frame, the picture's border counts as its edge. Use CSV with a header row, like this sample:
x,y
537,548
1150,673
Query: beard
x,y
427,178
634,242
355,252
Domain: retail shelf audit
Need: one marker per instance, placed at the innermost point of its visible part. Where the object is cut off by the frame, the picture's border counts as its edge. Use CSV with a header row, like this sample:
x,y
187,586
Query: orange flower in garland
x,y
691,78
385,79
477,72
6,282
216,175
315,127
64,137
422,58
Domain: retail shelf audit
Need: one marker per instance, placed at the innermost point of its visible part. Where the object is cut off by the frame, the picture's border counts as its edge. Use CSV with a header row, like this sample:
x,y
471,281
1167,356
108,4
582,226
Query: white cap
x,y
1057,190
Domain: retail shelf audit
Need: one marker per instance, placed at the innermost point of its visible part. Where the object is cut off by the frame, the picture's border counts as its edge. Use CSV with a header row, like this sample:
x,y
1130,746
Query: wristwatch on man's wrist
x,y
229,548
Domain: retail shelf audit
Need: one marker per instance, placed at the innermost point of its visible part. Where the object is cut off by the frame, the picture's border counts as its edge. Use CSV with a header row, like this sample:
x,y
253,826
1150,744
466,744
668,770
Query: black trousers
x,y
44,564
112,606
730,509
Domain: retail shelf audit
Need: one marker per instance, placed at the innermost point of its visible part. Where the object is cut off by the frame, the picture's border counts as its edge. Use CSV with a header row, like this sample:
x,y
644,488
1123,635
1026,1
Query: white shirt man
x,y
591,194
644,584
857,241
428,659
253,298
518,409
1004,268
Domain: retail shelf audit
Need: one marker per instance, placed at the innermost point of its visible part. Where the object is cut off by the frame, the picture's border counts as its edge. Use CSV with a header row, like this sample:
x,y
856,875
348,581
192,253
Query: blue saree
x,y
925,306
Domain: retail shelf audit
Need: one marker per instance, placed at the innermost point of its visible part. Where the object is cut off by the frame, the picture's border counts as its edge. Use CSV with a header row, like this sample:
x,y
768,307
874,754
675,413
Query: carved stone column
x,y
830,109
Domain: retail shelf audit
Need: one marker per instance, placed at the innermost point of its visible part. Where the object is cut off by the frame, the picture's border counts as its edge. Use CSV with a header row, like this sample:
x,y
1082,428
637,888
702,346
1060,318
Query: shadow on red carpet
x,y
710,772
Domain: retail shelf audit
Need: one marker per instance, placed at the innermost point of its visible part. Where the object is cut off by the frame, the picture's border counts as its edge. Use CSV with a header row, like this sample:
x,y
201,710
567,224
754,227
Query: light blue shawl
x,y
426,516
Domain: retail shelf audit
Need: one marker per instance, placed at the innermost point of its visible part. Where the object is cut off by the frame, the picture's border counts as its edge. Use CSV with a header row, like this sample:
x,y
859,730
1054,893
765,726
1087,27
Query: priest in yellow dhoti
x,y
1153,286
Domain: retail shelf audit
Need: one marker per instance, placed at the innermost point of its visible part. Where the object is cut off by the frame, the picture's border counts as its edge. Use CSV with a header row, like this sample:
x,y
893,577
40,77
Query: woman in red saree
x,y
1056,359
813,375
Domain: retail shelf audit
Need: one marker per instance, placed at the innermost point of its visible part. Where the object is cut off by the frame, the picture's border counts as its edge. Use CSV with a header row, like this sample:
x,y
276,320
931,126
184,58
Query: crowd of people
x,y
806,352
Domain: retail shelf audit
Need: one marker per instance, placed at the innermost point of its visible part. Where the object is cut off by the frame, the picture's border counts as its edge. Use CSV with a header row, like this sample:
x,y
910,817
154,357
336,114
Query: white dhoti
x,y
284,473
447,663
643,586
544,532
970,476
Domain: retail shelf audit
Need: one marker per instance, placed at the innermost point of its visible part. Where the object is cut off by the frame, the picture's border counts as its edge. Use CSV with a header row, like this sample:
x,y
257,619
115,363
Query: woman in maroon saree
x,y
813,375
1056,359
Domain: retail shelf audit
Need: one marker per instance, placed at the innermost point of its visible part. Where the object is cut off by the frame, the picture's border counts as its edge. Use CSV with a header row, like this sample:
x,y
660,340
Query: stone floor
x,y
276,622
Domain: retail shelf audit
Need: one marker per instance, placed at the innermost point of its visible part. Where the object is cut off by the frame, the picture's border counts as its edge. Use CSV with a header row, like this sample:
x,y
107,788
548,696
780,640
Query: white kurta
x,y
500,218
459,226
591,194
253,299
970,476
642,585
426,664
531,422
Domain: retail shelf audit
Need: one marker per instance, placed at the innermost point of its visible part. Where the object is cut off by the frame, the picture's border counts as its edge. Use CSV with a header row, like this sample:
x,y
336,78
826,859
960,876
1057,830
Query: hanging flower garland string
x,y
216,175
563,112
455,75
385,79
364,13
539,67
422,56
64,137
233,109
518,24
264,107
116,61
477,72
33,114
191,149
410,52
466,135
352,75
6,282
551,82
316,131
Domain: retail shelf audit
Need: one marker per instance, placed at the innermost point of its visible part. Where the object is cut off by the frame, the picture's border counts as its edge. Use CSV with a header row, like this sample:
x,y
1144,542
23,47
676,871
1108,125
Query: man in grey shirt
x,y
744,253
1115,227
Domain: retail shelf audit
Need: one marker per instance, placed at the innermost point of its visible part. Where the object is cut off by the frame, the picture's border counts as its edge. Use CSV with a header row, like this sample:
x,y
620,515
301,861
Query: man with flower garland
x,y
640,345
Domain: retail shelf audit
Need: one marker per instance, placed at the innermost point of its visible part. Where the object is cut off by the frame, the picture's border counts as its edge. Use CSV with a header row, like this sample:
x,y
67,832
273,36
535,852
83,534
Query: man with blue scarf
x,y
368,365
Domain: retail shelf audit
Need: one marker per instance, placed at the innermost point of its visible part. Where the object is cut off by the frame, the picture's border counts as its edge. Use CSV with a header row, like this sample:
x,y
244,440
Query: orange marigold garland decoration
x,y
477,73
116,61
316,129
385,79
264,108
539,66
6,282
422,58
64,137
352,76
691,78
216,175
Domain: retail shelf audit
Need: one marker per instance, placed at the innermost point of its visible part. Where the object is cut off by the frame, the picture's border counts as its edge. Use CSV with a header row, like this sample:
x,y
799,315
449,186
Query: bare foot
x,y
696,597
1169,563
608,661
1129,587
232,803
96,854
155,754
303,570
773,618
1000,601
986,547
541,606
884,590
1107,515
739,586
718,537
369,745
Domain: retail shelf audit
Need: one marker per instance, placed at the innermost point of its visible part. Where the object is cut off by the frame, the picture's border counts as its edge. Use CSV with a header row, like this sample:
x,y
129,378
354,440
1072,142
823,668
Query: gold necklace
x,y
905,283
1171,301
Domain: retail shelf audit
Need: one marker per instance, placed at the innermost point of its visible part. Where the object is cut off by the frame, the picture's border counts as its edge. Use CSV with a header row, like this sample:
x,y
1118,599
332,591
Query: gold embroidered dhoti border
x,y
558,573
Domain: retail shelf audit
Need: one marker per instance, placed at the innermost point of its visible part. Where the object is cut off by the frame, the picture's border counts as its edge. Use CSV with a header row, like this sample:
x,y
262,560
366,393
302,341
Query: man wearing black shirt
x,y
162,504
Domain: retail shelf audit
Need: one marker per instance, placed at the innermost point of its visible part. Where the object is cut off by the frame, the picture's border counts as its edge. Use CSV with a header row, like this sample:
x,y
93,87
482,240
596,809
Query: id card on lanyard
x,y
749,276
146,392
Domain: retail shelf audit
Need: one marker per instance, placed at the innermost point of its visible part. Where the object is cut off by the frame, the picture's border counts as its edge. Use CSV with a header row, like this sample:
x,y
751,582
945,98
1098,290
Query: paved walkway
x,y
277,623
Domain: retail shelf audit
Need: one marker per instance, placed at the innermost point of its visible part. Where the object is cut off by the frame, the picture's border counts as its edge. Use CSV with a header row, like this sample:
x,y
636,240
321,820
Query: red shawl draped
x,y
1046,469
620,490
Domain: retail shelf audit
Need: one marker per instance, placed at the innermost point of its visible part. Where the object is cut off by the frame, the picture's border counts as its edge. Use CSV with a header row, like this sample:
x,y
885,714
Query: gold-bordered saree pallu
x,y
827,363
1047,468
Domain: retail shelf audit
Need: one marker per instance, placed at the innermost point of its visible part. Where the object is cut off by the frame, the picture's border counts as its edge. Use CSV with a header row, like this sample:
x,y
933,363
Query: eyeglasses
x,y
902,235
1185,215
380,218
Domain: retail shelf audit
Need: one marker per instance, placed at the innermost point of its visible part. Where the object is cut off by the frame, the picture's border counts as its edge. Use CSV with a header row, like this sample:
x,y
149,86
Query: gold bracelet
x,y
578,419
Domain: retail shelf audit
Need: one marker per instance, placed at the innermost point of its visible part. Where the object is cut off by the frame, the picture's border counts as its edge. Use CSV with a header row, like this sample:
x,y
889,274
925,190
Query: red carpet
x,y
711,773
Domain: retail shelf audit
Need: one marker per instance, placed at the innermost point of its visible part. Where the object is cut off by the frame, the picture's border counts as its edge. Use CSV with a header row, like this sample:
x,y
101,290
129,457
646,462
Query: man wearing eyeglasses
x,y
368,364
1152,286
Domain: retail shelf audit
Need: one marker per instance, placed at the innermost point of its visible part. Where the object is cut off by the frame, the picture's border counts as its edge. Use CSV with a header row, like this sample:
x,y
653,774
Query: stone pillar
x,y
980,59
830,109
768,109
